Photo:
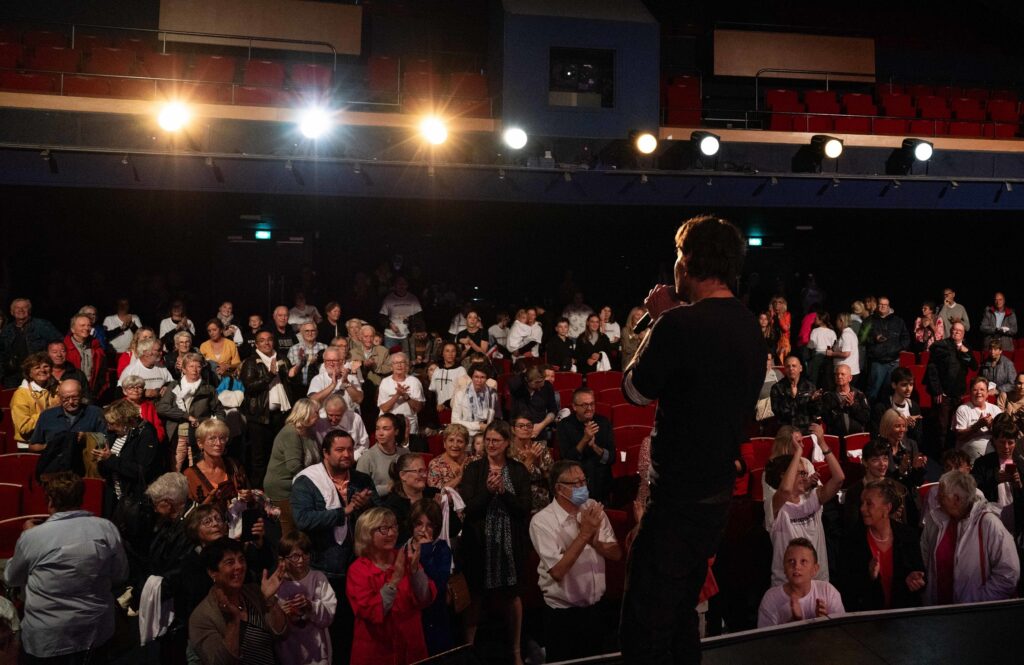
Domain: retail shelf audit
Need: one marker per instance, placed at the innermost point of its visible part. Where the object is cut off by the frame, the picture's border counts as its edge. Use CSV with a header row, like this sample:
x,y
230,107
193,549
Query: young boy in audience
x,y
802,596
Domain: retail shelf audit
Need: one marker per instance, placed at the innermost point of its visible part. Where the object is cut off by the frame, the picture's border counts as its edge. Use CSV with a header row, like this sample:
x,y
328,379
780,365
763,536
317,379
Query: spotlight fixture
x,y
808,158
902,159
707,143
314,122
645,143
514,137
173,116
829,146
433,130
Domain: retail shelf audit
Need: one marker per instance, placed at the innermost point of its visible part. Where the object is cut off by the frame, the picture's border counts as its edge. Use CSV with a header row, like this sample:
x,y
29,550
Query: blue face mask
x,y
579,496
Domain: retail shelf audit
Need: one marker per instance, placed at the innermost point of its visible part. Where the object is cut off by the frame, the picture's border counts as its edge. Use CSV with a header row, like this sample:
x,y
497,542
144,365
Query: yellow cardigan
x,y
25,409
228,353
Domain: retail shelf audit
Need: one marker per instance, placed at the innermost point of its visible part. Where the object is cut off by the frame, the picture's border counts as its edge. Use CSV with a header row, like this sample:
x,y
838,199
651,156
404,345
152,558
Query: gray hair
x,y
334,398
193,357
132,381
182,333
79,315
960,484
145,346
171,486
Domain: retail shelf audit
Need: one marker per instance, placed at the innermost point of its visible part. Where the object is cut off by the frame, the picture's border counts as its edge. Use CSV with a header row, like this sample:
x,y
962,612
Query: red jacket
x,y
395,638
97,377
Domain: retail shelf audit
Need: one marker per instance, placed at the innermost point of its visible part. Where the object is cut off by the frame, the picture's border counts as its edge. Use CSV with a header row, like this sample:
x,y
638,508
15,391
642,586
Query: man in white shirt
x,y
144,366
497,336
120,327
577,312
376,462
398,307
973,422
336,377
402,394
572,537
335,415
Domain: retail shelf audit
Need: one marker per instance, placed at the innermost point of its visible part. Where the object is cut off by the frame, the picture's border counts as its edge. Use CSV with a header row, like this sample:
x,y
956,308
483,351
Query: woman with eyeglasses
x,y
388,590
409,485
185,405
215,478
309,603
37,393
426,522
496,490
536,457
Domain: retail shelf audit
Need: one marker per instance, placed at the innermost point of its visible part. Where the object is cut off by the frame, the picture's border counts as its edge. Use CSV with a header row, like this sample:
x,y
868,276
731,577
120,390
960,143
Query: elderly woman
x,y
998,473
215,478
590,345
308,601
536,457
132,458
972,421
236,622
128,356
445,470
969,555
388,590
181,346
906,463
876,460
189,402
36,393
1012,402
425,523
134,389
409,485
881,565
295,448
630,340
496,490
474,403
221,352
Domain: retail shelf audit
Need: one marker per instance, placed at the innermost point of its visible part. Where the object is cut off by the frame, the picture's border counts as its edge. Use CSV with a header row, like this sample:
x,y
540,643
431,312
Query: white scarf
x,y
450,500
32,385
278,396
322,480
184,392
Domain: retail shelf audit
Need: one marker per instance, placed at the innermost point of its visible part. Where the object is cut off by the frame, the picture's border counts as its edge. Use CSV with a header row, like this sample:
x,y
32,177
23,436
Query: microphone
x,y
646,321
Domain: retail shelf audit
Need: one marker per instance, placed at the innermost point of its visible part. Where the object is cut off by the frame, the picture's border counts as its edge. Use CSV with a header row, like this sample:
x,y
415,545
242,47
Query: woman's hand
x,y
915,581
100,454
399,566
271,583
232,612
413,563
494,482
874,568
258,531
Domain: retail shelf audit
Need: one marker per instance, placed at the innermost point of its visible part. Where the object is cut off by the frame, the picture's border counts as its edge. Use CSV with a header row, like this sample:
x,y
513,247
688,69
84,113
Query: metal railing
x,y
820,72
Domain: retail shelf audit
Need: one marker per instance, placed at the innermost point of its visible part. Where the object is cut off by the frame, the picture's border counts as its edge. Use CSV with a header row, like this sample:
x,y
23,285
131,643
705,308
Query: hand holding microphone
x,y
661,298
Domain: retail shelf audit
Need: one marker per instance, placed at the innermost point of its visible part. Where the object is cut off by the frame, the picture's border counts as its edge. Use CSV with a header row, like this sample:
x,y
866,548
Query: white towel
x,y
322,480
450,500
155,613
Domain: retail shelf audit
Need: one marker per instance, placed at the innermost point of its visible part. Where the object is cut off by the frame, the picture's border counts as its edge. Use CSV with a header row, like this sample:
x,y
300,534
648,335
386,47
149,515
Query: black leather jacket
x,y
257,379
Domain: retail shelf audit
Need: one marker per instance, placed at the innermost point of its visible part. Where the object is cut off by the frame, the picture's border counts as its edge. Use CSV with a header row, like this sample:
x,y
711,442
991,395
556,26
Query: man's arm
x,y
829,489
654,364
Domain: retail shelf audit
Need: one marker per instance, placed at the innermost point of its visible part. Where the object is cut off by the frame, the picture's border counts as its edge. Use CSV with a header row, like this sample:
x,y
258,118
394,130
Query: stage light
x,y
433,130
754,242
921,149
314,123
173,116
646,143
707,142
902,159
514,138
830,146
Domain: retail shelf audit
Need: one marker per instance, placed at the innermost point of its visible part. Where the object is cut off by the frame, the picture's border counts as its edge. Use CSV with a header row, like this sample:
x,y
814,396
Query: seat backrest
x,y
604,380
10,500
568,381
779,97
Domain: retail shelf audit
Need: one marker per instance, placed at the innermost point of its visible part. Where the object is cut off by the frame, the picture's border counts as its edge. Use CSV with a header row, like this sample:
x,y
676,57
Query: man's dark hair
x,y
1004,426
874,448
557,470
995,344
213,553
581,391
479,367
65,491
562,320
330,437
712,248
901,374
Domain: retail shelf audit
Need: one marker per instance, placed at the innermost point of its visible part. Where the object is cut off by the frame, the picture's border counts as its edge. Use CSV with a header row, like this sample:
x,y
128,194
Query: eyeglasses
x,y
523,426
211,520
70,398
216,438
386,529
297,557
309,331
585,405
419,472
127,388
573,483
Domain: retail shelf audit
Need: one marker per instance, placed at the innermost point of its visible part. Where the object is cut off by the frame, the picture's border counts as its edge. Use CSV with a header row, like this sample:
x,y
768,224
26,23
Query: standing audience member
x,y
295,448
306,355
819,347
593,350
374,359
336,377
146,366
132,458
121,326
337,416
946,375
86,353
402,395
952,311
497,335
998,473
586,437
409,485
187,404
69,565
445,470
265,376
396,311
176,321
425,524
376,462
22,336
332,326
577,312
631,340
794,399
561,349
845,410
998,369
308,601
302,312
534,398
929,327
473,339
496,490
999,323
573,538
1012,402
37,393
283,334
537,459
972,422
219,350
215,478
446,377
902,383
887,338
388,590
969,555
846,350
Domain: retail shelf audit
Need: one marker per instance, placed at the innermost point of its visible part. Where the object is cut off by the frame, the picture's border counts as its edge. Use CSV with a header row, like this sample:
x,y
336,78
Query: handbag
x,y
458,593
230,392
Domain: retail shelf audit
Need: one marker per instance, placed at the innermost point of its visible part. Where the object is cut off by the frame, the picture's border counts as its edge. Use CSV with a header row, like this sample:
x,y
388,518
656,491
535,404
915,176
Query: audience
x,y
928,328
86,352
295,448
593,350
475,404
537,459
534,398
409,485
308,601
71,417
37,393
998,369
189,402
215,478
338,417
376,462
804,594
402,395
267,401
952,311
998,473
794,399
999,323
887,338
445,470
131,459
972,422
586,437
22,336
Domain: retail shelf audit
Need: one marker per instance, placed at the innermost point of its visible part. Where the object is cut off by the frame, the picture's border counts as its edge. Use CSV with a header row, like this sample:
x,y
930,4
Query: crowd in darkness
x,y
270,496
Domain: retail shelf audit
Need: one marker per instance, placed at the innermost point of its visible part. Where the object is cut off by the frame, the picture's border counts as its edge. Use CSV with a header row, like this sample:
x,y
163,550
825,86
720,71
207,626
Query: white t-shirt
x,y
966,416
167,325
398,309
444,380
124,340
458,324
577,315
156,377
352,423
498,335
775,610
821,338
521,334
798,520
768,492
297,316
613,331
848,342
388,389
321,381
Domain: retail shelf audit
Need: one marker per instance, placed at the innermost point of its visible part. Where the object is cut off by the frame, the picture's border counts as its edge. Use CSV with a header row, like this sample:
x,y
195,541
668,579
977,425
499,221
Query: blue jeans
x,y
878,377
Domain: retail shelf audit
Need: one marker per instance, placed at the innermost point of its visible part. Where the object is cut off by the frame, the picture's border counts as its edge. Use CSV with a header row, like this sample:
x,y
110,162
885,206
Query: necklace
x,y
879,540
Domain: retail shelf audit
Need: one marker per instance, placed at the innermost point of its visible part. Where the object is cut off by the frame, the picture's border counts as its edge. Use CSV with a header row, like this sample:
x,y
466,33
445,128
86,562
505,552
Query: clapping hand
x,y
820,608
915,581
591,517
874,568
271,583
794,606
494,483
231,611
358,501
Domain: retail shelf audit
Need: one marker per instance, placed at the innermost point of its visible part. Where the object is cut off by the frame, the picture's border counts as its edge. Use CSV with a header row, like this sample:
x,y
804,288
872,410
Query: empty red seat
x,y
976,93
141,45
682,97
854,444
214,69
676,117
920,90
821,101
88,43
568,380
421,84
468,85
889,88
132,88
946,91
898,105
55,59
93,498
266,73
86,86
193,92
382,77
857,125
163,65
1000,130
786,101
856,103
964,128
1008,95
38,38
1002,110
627,414
928,127
779,122
10,500
933,107
604,380
28,82
967,108
6,395
306,76
611,396
889,126
10,55
626,460
250,96
630,436
114,61
565,397
814,123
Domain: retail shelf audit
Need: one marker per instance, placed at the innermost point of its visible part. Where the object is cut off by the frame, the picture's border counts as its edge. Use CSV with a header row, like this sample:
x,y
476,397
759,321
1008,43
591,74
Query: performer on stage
x,y
704,363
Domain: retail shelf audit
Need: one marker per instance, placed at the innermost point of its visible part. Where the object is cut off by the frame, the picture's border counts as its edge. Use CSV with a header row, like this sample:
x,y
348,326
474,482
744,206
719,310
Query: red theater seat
x,y
142,46
10,500
928,127
778,122
249,96
196,93
43,38
1008,95
114,61
382,77
918,90
999,130
421,84
889,88
88,43
946,91
467,85
856,103
683,117
630,436
815,123
132,88
6,395
898,105
93,499
821,101
611,396
967,108
10,55
976,93
86,86
856,125
264,73
783,100
214,69
1002,110
961,128
627,414
10,530
568,380
309,76
55,59
604,380
163,65
28,82
933,107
